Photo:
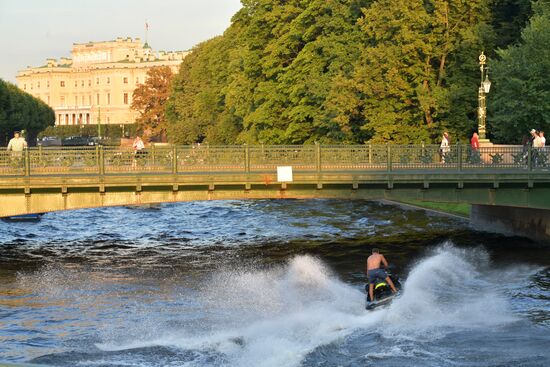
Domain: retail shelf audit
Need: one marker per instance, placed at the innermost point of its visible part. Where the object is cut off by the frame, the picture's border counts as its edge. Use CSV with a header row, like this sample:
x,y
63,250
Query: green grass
x,y
461,209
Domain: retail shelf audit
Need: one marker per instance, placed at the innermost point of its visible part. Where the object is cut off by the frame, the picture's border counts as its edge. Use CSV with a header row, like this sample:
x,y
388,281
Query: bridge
x,y
41,180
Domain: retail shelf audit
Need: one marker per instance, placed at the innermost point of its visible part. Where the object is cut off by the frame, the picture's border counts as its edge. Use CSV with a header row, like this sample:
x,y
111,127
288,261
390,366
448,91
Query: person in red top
x,y
474,142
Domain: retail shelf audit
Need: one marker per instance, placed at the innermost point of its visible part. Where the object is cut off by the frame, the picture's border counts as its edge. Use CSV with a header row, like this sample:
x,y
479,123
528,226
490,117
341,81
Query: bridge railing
x,y
260,158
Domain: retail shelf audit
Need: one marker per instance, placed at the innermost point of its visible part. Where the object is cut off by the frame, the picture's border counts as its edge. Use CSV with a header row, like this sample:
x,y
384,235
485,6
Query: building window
x,y
31,86
82,99
108,98
125,98
82,83
76,83
62,101
97,98
137,80
97,80
89,82
48,84
24,86
125,80
37,84
108,80
89,100
48,99
62,83
76,100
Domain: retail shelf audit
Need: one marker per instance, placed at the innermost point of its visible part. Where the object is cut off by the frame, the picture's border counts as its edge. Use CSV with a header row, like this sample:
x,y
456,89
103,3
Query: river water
x,y
267,283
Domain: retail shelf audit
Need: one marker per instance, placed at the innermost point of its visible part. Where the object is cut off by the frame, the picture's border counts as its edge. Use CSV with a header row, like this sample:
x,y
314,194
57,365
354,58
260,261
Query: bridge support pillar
x,y
526,222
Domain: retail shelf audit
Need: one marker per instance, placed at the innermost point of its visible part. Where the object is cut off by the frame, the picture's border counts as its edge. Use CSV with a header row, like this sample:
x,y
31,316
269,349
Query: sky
x,y
33,30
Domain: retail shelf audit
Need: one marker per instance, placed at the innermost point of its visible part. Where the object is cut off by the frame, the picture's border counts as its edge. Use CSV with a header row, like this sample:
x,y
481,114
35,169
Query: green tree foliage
x,y
403,73
332,71
149,100
509,18
198,93
522,86
21,111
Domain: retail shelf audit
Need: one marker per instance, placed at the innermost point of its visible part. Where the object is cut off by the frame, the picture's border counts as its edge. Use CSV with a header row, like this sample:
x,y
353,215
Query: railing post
x,y
153,153
370,153
175,159
318,158
27,162
459,152
40,155
423,152
530,158
247,158
389,157
101,160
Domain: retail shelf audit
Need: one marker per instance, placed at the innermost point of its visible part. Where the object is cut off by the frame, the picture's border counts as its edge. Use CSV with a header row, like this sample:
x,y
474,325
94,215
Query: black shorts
x,y
375,274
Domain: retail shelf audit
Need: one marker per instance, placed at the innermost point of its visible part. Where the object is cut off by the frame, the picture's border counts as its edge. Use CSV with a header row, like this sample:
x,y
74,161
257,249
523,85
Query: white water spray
x,y
277,317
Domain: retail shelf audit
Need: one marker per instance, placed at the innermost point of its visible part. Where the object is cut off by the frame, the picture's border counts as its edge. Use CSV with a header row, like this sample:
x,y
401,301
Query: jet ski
x,y
383,294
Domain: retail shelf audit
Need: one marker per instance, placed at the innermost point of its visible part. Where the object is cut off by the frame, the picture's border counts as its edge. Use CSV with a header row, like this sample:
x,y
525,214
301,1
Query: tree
x,y
404,81
521,99
339,71
21,111
149,100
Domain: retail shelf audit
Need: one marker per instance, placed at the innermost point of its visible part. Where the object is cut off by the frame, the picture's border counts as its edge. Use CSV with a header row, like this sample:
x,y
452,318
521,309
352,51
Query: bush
x,y
111,131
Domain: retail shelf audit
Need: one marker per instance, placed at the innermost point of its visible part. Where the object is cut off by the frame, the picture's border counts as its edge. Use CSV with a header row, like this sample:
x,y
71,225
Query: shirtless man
x,y
374,271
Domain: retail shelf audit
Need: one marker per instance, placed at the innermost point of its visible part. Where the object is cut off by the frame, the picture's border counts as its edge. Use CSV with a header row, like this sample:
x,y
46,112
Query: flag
x,y
146,26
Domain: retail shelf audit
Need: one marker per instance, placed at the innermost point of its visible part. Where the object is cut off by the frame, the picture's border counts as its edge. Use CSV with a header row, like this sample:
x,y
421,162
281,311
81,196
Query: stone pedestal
x,y
485,143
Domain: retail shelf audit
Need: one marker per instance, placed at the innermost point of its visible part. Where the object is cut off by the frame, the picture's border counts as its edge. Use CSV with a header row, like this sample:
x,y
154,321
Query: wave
x,y
276,317
450,289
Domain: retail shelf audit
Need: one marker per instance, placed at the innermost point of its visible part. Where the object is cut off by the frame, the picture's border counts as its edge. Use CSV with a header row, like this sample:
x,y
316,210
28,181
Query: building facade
x,y
96,84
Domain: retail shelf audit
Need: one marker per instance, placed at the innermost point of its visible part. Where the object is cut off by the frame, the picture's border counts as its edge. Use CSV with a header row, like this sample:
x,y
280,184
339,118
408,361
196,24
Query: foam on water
x,y
276,317
270,318
449,290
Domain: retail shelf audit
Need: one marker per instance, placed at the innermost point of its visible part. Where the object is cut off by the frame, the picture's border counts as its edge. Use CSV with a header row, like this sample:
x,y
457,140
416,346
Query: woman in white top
x,y
138,146
537,141
445,146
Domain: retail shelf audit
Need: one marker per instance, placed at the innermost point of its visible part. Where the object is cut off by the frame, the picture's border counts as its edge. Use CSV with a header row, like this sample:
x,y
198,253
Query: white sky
x,y
33,30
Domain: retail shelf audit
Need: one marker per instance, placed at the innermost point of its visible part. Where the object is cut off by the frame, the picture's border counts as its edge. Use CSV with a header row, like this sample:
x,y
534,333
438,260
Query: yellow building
x,y
97,83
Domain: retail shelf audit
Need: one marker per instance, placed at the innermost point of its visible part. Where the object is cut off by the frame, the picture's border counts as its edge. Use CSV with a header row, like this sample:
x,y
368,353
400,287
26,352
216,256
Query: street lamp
x,y
99,122
484,88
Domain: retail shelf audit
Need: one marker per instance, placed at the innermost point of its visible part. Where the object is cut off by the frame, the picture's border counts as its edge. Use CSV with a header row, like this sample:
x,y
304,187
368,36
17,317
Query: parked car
x,y
77,141
49,141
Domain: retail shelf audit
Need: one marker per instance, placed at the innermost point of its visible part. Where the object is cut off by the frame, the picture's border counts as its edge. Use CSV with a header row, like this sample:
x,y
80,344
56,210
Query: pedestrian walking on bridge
x,y
17,144
445,146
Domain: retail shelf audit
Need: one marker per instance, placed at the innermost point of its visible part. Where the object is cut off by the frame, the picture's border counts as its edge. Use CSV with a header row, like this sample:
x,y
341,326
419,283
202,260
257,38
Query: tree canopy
x,y
21,111
333,71
522,86
149,100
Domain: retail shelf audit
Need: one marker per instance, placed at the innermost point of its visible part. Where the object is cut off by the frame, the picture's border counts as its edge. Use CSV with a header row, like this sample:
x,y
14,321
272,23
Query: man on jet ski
x,y
374,271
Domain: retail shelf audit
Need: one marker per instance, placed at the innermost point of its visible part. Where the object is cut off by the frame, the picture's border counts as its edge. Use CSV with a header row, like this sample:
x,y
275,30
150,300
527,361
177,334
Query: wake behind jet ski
x,y
381,287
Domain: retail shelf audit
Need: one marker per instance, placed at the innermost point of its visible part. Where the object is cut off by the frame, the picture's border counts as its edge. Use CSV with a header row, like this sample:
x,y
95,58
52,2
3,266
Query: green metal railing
x,y
263,158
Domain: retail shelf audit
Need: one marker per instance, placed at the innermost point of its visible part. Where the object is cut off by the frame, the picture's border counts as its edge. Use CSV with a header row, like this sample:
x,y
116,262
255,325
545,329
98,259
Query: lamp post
x,y
484,88
99,122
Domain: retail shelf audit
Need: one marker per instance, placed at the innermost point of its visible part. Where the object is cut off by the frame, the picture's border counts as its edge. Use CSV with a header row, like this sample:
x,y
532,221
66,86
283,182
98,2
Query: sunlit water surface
x,y
267,283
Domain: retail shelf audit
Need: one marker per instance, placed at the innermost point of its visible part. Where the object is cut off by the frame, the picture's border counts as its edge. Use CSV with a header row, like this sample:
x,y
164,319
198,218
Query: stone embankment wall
x,y
532,223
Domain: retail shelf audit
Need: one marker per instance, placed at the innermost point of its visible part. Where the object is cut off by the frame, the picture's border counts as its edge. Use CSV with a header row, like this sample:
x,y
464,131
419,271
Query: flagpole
x,y
146,31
